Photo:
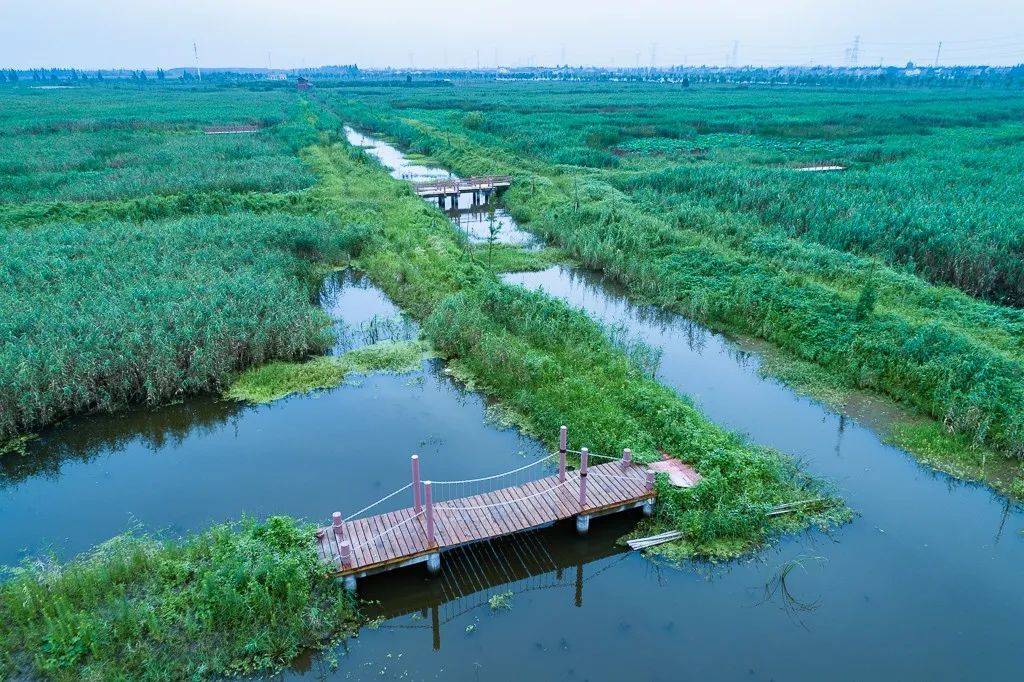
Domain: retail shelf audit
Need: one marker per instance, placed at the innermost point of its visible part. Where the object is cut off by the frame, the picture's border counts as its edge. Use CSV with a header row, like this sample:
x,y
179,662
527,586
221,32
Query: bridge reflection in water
x,y
554,560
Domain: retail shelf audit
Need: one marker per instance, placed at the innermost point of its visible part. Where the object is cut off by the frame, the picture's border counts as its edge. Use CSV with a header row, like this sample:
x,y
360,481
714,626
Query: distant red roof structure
x,y
303,84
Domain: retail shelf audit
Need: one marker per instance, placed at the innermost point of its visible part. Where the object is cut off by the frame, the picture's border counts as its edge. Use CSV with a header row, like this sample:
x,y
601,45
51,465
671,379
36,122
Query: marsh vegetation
x,y
186,264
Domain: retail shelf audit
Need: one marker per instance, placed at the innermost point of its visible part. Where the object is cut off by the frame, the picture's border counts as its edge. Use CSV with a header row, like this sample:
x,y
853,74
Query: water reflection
x,y
360,315
84,438
477,222
395,161
479,225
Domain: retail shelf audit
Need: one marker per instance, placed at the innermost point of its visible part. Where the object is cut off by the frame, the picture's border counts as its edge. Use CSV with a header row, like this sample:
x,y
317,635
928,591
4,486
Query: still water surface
x,y
926,583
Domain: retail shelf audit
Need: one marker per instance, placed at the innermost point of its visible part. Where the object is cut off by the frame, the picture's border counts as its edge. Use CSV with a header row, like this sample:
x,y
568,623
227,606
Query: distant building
x,y
303,84
277,76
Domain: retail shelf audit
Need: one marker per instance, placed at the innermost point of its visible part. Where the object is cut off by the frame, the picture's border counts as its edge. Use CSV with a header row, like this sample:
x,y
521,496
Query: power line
x,y
195,52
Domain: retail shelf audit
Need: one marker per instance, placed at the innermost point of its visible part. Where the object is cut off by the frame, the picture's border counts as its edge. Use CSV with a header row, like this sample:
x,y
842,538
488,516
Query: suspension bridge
x,y
450,514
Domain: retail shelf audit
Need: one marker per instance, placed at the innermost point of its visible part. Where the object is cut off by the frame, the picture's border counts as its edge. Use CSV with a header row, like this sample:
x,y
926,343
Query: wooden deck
x,y
453,187
399,538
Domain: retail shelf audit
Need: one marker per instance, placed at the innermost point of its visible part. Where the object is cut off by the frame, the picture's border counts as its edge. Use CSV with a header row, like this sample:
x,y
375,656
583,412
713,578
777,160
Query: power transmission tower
x,y
478,59
195,52
735,50
938,51
564,63
855,51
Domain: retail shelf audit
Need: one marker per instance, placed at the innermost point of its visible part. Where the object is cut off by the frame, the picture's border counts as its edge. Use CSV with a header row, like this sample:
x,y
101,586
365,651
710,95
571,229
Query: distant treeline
x,y
909,75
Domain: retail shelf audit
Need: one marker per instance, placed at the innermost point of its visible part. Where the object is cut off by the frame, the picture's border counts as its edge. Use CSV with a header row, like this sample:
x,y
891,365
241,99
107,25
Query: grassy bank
x,y
276,380
235,599
863,325
548,364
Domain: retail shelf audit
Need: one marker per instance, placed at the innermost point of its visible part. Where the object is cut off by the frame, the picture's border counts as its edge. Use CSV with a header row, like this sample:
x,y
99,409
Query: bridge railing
x,y
425,499
458,184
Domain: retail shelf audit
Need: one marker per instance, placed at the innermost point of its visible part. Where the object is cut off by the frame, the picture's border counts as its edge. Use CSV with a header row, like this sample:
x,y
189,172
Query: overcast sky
x,y
294,33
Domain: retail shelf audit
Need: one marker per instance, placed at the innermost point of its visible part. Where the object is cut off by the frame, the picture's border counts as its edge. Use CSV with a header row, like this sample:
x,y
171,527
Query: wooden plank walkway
x,y
399,538
446,187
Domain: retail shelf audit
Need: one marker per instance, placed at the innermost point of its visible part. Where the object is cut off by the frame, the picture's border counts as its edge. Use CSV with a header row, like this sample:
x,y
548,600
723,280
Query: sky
x,y
445,33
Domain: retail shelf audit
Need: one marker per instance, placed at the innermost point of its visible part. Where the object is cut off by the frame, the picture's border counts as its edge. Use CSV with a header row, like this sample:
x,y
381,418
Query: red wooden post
x,y
429,502
416,484
584,459
338,525
346,552
627,457
650,481
563,444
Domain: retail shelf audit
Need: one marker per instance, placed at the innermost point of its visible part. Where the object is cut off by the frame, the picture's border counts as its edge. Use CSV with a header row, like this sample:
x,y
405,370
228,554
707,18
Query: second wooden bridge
x,y
484,184
359,545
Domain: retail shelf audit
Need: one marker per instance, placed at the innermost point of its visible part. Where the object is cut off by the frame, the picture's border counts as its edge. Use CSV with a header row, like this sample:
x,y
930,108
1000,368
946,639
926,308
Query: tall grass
x,y
236,599
933,181
951,357
97,315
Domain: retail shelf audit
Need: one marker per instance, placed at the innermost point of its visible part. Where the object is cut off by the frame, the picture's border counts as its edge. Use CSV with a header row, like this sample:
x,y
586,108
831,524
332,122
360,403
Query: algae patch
x,y
277,380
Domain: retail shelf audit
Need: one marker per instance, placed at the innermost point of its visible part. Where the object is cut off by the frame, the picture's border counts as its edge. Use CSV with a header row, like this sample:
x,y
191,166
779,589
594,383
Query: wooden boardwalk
x,y
454,187
378,543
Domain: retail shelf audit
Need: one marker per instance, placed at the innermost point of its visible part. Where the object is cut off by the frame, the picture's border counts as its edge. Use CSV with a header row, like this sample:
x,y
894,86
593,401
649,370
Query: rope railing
x,y
374,504
503,503
594,454
494,476
461,501
456,489
374,539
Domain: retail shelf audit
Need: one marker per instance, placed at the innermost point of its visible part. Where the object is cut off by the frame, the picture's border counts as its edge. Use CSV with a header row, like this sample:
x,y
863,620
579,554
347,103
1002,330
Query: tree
x,y
160,75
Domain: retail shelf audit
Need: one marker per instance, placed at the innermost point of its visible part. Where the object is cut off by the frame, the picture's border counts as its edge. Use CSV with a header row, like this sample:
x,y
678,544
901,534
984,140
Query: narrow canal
x,y
925,583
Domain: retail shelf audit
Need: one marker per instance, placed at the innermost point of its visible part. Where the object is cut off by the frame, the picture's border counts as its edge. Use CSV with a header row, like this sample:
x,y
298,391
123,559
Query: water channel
x,y
925,583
